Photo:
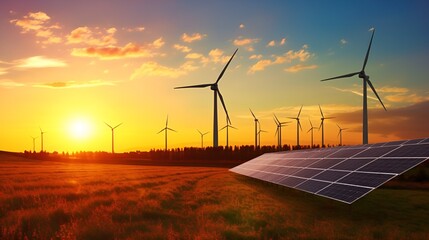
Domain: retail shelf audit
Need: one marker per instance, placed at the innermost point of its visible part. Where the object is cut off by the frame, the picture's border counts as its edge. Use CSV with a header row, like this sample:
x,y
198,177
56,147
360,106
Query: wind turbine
x,y
311,129
216,92
279,131
322,125
298,126
259,136
256,127
41,139
365,80
113,130
34,143
202,138
340,134
227,126
166,130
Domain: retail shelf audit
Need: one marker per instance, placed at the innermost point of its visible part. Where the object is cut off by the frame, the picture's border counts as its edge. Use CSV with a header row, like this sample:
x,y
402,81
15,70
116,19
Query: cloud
x,y
272,43
182,48
10,84
242,26
356,92
300,67
135,29
301,55
406,98
247,43
158,43
193,37
194,56
154,69
38,23
105,53
405,123
343,41
39,62
74,84
254,56
393,90
283,42
92,37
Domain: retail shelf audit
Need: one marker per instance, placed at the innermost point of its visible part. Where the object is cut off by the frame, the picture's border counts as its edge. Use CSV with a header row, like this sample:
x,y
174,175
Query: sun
x,y
80,129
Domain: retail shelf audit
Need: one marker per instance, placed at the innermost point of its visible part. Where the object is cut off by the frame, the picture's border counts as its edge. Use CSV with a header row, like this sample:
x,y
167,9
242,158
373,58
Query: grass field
x,y
54,200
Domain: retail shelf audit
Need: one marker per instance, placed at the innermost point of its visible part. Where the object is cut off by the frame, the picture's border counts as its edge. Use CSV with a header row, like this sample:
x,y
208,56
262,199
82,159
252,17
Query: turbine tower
x,y
34,143
202,138
166,130
216,92
279,131
298,126
340,134
259,136
227,126
41,139
113,131
311,129
322,125
256,127
366,81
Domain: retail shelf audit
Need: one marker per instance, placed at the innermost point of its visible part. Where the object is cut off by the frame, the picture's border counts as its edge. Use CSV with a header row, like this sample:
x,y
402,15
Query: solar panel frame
x,y
343,173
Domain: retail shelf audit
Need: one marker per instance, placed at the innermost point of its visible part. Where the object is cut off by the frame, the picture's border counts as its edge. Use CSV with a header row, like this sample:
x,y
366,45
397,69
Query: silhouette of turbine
x,y
365,80
227,126
34,143
340,134
166,130
41,139
216,92
256,127
298,126
202,137
322,125
279,131
311,129
113,133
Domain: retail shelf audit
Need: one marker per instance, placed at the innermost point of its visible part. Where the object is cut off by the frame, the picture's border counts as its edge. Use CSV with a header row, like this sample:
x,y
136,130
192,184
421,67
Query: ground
x,y
58,200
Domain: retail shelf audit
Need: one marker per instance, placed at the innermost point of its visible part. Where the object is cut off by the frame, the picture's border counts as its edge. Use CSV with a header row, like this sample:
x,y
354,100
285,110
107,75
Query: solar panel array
x,y
342,173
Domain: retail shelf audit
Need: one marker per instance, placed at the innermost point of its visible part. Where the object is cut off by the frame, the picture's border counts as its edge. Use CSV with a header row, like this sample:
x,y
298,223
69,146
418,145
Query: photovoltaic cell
x,y
343,173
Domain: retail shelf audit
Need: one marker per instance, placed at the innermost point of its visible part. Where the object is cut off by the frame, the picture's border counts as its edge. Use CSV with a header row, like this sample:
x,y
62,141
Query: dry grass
x,y
48,200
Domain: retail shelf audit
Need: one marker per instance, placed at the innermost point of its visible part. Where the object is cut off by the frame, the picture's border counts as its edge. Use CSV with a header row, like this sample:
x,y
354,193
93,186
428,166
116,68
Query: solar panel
x,y
343,173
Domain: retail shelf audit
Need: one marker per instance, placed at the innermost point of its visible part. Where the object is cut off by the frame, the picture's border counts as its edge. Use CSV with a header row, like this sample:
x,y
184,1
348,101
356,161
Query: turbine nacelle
x,y
214,87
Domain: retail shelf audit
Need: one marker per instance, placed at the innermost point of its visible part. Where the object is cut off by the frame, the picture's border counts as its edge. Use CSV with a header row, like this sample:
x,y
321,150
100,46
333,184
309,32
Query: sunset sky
x,y
69,66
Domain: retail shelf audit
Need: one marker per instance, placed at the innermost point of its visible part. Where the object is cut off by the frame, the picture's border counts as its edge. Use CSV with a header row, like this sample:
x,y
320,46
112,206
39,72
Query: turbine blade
x,y
342,76
367,52
226,66
338,126
166,122
196,86
117,125
311,124
375,92
309,130
104,122
299,113
321,123
223,104
161,130
299,124
321,111
329,117
233,127
276,119
205,133
223,128
277,131
171,129
200,132
252,114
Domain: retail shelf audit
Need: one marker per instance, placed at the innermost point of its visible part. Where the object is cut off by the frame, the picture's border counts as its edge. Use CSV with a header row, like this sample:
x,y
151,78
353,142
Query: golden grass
x,y
52,200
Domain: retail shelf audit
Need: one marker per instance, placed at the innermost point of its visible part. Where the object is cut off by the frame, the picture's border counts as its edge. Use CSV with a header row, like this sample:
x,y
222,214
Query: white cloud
x,y
283,42
193,37
255,56
242,26
300,67
272,43
247,43
92,37
182,48
343,41
40,62
154,69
